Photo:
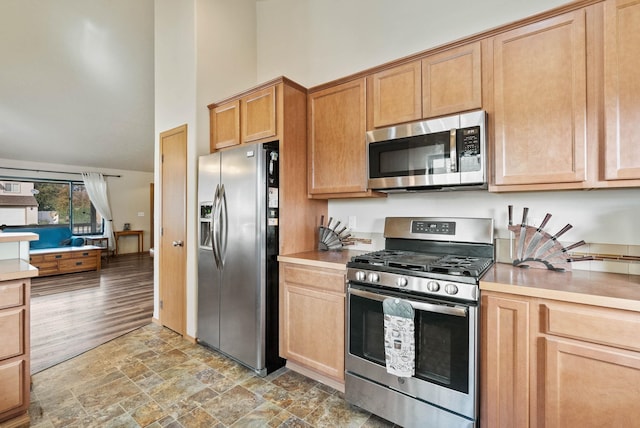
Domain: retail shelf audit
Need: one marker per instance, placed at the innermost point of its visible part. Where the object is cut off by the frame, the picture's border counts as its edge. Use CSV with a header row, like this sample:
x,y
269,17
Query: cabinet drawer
x,y
320,278
11,294
12,328
603,326
56,256
77,264
36,259
83,254
12,382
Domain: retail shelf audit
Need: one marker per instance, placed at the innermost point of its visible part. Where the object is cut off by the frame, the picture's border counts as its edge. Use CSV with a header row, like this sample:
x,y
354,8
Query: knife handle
x,y
510,209
563,230
544,222
525,213
322,220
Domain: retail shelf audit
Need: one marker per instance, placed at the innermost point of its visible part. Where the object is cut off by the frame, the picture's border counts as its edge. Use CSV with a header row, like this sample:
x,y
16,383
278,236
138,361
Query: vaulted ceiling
x,y
77,82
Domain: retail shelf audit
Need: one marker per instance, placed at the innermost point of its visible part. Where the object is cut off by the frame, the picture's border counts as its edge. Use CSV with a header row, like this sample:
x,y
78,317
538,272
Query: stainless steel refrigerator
x,y
237,255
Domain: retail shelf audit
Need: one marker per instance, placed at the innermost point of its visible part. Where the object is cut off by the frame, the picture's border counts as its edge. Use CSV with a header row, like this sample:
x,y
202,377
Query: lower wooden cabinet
x,y
14,348
312,320
505,363
56,263
557,364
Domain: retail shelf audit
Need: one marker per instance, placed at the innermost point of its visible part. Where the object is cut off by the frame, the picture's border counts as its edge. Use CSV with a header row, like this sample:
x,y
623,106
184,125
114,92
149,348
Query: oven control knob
x,y
360,276
450,289
402,282
374,277
433,286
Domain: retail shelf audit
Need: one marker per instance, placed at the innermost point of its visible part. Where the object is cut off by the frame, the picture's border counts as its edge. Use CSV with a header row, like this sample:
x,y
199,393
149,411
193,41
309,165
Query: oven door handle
x,y
458,311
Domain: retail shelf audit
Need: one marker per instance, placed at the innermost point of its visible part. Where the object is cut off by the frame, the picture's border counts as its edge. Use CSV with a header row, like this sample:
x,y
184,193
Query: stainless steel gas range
x,y
413,321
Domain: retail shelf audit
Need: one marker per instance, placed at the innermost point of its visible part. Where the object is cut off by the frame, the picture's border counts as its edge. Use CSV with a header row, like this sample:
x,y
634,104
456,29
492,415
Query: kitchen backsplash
x,y
607,257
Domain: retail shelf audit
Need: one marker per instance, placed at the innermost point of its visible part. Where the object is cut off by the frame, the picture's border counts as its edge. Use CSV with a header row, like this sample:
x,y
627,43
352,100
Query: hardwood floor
x,y
73,313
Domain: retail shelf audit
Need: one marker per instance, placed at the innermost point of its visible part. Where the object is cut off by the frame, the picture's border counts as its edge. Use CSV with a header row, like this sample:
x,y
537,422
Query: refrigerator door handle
x,y
224,229
215,228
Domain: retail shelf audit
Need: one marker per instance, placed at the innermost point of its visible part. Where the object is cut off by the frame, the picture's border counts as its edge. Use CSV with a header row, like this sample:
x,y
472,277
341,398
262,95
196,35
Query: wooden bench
x,y
55,261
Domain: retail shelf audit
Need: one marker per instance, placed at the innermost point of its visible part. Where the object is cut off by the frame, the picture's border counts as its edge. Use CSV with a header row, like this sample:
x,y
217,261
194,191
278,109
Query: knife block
x,y
328,239
554,258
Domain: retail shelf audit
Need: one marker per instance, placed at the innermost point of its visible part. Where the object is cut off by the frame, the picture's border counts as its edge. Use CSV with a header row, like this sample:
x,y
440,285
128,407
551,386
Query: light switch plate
x,y
140,213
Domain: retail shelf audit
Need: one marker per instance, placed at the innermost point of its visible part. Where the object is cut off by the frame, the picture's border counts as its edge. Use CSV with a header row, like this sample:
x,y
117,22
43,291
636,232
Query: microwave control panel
x,y
469,147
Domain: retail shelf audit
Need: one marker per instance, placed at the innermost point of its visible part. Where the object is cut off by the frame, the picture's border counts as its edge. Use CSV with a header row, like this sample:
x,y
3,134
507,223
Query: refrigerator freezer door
x,y
209,276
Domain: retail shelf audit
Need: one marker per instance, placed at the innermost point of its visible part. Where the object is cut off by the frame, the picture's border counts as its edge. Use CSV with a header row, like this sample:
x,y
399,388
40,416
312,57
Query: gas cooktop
x,y
413,261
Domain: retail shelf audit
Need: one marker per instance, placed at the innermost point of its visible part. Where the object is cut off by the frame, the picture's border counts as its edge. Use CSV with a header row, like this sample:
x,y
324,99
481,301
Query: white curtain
x,y
96,187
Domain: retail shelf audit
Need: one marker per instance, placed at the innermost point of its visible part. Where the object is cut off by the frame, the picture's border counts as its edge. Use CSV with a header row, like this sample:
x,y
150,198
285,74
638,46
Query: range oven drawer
x,y
399,408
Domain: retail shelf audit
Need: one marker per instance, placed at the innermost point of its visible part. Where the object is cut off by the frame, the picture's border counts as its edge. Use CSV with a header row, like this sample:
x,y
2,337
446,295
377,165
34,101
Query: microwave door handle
x,y
453,155
458,311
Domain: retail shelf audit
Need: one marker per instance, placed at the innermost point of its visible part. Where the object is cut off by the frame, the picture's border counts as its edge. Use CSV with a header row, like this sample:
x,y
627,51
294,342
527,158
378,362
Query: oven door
x,y
445,349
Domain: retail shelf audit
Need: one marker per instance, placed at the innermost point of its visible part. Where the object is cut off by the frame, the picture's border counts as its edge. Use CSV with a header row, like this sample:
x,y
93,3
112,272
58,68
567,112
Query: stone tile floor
x,y
152,377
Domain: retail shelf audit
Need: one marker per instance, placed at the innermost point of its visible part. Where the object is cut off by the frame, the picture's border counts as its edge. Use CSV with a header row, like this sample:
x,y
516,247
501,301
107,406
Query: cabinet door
x,y
540,102
225,125
452,81
622,89
13,380
313,329
396,95
504,397
337,146
258,115
586,385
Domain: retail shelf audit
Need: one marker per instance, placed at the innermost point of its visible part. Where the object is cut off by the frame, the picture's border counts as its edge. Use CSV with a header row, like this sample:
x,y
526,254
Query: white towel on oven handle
x,y
399,337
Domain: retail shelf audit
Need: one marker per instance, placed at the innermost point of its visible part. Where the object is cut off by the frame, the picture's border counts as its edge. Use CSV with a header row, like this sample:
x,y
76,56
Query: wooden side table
x,y
138,233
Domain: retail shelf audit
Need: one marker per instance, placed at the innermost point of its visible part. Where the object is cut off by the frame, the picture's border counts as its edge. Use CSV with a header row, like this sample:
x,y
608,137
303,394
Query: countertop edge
x,y
12,269
564,296
616,291
322,259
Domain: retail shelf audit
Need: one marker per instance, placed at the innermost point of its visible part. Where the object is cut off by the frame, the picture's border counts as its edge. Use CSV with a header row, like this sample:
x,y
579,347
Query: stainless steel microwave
x,y
436,154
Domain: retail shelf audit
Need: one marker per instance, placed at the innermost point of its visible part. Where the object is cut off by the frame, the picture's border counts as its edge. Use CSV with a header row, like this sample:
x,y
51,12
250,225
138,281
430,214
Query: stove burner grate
x,y
422,262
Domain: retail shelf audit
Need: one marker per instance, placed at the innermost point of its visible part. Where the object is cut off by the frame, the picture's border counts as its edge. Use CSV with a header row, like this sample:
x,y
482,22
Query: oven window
x,y
418,155
442,342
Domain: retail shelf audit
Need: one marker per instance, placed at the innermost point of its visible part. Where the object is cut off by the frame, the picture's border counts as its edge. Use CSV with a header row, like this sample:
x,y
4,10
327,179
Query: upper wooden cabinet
x,y
395,95
258,115
452,81
540,102
225,125
337,148
249,119
439,84
275,111
622,90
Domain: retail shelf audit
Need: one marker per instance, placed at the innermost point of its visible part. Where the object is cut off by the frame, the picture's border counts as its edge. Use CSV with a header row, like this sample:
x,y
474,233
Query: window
x,y
62,203
10,187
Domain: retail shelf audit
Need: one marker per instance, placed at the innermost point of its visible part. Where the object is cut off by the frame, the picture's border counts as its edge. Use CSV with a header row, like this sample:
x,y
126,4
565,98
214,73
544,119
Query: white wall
x,y
205,50
128,194
313,42
598,216
226,55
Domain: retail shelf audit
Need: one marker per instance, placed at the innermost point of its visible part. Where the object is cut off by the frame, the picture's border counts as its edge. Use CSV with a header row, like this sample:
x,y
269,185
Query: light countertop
x,y
18,236
16,269
324,259
594,288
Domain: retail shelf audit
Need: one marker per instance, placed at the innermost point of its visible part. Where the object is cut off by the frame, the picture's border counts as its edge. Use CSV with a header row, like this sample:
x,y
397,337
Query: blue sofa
x,y
50,237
